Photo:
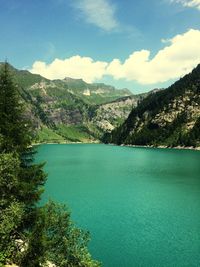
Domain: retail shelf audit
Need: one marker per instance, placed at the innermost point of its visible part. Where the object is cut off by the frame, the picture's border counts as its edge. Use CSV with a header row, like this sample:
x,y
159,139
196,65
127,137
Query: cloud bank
x,y
180,55
74,67
188,3
98,12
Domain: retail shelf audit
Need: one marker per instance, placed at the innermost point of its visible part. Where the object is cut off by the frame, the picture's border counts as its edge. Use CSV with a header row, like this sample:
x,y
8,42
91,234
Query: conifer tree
x,y
21,179
29,234
15,131
13,127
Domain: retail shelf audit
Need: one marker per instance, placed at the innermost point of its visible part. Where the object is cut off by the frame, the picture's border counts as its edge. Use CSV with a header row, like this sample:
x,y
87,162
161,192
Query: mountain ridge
x,y
169,118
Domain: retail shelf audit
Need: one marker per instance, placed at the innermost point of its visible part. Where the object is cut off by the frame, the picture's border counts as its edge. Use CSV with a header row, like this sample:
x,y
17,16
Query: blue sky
x,y
139,44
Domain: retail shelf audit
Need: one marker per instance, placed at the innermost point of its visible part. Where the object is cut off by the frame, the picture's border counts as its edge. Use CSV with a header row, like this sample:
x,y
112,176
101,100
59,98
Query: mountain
x,y
96,93
71,109
112,114
169,117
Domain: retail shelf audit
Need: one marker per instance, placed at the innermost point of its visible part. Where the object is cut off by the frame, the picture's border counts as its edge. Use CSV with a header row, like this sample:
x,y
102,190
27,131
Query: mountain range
x,y
71,110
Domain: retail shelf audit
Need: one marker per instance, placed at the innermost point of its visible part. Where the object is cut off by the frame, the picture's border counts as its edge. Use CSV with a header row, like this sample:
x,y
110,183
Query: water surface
x,y
141,206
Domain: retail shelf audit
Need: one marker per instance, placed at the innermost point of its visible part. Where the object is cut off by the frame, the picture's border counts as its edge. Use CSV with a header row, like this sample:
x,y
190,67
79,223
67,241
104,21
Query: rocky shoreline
x,y
164,147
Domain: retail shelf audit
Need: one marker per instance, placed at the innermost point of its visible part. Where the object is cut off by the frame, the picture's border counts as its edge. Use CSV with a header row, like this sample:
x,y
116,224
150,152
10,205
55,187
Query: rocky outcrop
x,y
112,114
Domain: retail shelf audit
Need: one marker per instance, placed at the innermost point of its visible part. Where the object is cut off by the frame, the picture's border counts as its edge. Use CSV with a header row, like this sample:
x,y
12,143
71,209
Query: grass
x,y
74,133
65,134
46,135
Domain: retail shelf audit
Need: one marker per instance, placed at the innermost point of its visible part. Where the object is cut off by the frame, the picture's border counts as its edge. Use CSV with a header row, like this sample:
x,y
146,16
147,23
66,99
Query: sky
x,y
134,44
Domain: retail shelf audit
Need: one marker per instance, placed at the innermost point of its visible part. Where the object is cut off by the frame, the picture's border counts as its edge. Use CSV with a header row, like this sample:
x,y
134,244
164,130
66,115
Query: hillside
x,y
72,110
169,117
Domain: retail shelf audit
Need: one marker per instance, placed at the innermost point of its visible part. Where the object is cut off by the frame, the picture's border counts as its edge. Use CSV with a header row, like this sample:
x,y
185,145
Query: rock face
x,y
71,107
110,115
169,117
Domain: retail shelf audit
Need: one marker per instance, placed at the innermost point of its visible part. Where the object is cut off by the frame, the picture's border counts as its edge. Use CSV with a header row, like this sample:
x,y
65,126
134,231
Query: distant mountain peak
x,y
69,79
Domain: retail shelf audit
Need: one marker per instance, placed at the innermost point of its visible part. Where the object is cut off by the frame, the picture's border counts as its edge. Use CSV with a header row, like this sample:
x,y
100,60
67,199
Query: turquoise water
x,y
141,206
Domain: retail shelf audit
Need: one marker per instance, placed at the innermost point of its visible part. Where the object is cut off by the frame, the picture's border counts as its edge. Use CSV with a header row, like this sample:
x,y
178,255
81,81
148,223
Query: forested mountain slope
x,y
169,117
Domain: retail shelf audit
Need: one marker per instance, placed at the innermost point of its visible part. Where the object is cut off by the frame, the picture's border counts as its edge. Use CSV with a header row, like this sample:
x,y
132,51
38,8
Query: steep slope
x,y
110,115
169,117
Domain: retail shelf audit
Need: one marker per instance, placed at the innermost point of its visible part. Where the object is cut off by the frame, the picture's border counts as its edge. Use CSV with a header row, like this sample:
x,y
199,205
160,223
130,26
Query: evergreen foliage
x,y
30,235
13,127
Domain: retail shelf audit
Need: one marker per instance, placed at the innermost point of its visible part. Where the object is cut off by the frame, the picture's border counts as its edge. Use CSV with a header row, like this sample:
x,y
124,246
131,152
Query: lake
x,y
141,206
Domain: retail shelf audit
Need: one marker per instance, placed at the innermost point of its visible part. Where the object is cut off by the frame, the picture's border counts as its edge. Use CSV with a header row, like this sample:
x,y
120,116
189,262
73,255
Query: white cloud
x,y
75,67
98,12
180,55
178,58
188,3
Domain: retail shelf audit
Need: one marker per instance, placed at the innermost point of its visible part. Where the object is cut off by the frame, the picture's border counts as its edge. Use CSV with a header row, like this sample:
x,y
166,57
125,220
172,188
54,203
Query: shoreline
x,y
165,147
126,145
64,143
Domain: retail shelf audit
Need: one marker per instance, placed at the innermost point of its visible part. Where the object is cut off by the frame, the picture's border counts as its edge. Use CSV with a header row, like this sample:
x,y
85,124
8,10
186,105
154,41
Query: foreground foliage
x,y
30,235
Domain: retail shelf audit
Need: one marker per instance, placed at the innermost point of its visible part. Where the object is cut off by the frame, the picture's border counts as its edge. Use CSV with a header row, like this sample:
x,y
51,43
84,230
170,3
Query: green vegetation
x,y
77,133
47,135
168,117
64,133
30,235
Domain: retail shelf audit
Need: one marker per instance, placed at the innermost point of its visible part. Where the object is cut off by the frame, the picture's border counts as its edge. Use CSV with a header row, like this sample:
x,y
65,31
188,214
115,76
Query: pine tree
x,y
14,128
21,180
16,138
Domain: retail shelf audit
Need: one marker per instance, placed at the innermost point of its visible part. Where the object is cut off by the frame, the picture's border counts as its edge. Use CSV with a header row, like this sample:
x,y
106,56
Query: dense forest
x,y
169,117
31,235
